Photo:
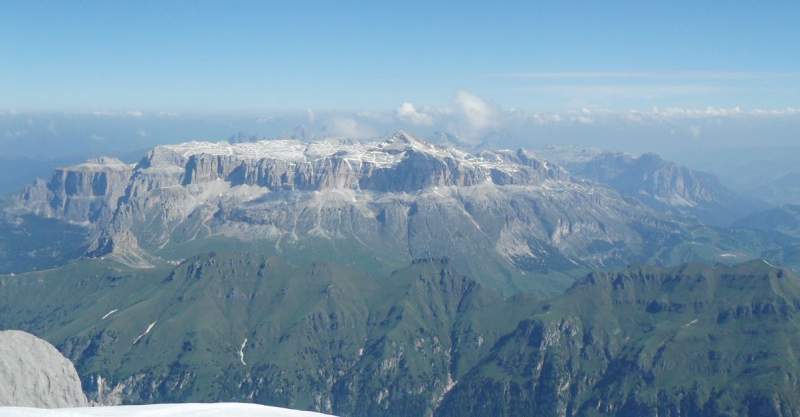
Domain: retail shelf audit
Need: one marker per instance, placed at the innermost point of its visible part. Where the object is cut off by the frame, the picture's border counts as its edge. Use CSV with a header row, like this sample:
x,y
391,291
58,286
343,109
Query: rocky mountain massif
x,y
657,183
398,278
401,198
34,374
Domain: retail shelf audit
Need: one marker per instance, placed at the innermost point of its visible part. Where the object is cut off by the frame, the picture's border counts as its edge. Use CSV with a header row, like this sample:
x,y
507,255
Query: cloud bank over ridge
x,y
468,119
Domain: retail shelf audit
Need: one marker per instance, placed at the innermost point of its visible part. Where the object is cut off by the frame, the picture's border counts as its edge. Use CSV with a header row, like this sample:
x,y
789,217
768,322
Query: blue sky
x,y
236,56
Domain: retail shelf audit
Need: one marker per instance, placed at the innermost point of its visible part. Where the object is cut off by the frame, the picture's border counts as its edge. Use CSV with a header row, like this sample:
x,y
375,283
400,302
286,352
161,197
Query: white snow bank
x,y
161,410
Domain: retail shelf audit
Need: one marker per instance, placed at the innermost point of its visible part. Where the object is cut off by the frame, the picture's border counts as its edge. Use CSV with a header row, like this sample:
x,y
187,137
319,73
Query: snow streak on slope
x,y
107,315
241,352
146,331
162,410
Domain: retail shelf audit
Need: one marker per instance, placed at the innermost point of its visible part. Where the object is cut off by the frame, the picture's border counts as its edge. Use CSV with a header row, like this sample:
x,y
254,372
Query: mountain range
x,y
533,222
401,278
422,340
658,183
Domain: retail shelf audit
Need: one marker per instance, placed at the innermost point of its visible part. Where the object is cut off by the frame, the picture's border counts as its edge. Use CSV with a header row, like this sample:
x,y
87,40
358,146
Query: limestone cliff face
x,y
34,374
401,194
81,193
399,164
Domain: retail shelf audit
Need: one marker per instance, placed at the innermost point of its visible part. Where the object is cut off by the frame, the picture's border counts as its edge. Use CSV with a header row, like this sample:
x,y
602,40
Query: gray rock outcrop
x,y
83,193
34,374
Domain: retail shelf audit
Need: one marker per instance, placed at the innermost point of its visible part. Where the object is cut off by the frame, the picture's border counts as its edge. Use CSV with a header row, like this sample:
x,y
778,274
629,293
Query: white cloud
x,y
546,118
346,127
658,114
688,113
788,111
683,75
407,112
477,113
693,113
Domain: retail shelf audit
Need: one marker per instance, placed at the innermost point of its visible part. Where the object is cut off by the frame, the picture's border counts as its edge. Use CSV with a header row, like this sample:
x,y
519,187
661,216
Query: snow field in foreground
x,y
161,410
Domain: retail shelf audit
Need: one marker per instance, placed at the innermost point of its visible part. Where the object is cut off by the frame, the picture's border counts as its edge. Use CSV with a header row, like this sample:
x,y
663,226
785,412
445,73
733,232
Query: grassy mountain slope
x,y
690,341
349,336
276,330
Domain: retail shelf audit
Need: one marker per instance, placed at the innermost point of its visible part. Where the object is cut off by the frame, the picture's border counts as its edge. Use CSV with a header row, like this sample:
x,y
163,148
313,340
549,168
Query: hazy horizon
x,y
92,77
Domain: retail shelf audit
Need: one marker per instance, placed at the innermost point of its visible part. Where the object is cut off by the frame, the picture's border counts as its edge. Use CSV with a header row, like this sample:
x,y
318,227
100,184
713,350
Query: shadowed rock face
x,y
34,374
81,193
